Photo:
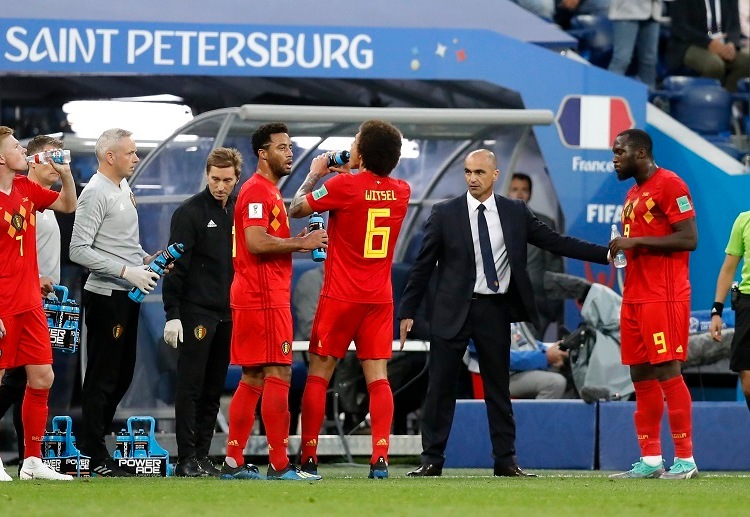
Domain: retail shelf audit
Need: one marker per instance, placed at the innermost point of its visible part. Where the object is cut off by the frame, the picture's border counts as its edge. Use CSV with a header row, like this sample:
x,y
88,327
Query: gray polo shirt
x,y
105,234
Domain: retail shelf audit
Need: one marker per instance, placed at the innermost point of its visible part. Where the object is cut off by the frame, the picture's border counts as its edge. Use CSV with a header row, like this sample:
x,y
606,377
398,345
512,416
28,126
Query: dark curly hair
x,y
379,146
262,136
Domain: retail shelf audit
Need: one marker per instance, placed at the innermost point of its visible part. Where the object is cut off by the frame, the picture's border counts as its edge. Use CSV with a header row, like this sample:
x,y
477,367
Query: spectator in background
x,y
542,8
706,38
538,260
196,298
635,23
567,9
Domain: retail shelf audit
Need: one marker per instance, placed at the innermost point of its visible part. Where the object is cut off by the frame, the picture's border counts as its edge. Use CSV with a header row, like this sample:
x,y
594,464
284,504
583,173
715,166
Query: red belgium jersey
x,y
366,213
651,209
260,281
19,273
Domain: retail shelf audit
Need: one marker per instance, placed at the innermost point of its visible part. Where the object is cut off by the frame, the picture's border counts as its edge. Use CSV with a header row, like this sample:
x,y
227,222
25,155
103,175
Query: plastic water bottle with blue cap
x,y
159,265
338,158
316,223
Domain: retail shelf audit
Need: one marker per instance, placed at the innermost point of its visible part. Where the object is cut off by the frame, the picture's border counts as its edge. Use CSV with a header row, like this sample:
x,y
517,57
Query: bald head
x,y
480,169
484,155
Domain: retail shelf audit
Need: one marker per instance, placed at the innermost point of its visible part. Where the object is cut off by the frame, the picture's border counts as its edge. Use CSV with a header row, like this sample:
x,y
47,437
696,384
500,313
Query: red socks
x,y
649,408
274,408
34,416
679,406
313,414
381,417
241,419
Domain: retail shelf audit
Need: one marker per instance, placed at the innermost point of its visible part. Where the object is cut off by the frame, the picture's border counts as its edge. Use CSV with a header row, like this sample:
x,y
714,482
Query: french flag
x,y
593,121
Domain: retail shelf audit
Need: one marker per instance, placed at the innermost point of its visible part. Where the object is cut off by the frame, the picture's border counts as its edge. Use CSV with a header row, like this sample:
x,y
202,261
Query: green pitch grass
x,y
347,491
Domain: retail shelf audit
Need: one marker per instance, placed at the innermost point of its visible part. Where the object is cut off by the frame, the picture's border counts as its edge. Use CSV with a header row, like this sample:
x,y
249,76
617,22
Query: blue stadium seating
x,y
595,40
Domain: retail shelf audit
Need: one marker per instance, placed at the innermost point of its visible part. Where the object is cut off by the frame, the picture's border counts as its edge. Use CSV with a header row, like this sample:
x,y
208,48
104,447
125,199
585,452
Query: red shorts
x,y
262,336
654,332
26,340
337,323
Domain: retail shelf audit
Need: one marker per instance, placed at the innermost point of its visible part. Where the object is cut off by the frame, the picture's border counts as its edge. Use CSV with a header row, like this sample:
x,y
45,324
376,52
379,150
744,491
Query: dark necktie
x,y
485,247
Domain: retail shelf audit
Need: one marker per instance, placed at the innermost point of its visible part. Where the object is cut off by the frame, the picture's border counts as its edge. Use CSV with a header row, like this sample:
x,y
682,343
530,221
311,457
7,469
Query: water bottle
x,y
619,261
60,156
317,223
159,265
338,158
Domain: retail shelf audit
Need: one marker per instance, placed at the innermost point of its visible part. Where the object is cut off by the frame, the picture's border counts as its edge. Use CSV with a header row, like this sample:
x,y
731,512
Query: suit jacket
x,y
689,27
448,243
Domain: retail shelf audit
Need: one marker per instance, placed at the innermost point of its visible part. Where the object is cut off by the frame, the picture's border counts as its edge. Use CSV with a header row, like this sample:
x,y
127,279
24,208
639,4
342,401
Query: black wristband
x,y
716,309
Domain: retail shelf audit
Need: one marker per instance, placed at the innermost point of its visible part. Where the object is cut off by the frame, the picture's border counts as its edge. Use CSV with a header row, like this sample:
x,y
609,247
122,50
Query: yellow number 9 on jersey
x,y
377,231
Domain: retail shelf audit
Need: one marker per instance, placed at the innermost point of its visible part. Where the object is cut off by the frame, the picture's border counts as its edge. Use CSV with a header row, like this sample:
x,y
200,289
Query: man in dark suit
x,y
482,286
706,37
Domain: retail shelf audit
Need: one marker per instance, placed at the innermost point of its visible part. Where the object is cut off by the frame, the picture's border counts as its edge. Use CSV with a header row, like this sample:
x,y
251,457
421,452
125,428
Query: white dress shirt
x,y
499,252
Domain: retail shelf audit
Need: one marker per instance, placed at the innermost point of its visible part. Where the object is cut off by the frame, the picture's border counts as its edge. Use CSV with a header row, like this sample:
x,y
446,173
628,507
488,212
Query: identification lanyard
x,y
710,17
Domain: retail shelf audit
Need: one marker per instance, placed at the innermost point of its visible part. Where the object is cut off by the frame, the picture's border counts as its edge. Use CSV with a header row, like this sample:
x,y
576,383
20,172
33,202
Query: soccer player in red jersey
x,y
261,313
659,232
24,336
356,301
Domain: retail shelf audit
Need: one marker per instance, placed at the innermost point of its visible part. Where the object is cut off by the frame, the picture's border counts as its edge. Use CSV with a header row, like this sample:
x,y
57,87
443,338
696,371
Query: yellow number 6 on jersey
x,y
373,231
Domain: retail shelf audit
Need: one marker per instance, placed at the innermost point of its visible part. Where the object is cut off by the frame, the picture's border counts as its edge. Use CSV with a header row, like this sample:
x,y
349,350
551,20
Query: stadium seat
x,y
705,109
676,84
594,34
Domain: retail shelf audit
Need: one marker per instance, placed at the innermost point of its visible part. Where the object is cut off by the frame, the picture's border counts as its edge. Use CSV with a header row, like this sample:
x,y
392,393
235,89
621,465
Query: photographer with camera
x,y
535,367
739,242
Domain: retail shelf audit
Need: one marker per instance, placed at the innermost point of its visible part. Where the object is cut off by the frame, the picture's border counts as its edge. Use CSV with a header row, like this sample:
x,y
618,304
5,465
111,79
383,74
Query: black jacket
x,y
689,27
448,243
201,278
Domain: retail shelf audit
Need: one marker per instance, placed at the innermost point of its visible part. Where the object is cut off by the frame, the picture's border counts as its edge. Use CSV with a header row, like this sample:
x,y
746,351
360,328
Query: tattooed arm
x,y
318,169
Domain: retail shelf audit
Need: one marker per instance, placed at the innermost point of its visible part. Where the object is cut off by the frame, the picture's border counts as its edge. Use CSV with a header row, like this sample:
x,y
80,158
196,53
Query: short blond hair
x,y
5,131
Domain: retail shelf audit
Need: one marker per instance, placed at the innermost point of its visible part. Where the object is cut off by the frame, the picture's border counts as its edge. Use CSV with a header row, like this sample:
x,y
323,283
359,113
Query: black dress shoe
x,y
426,470
513,471
189,468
